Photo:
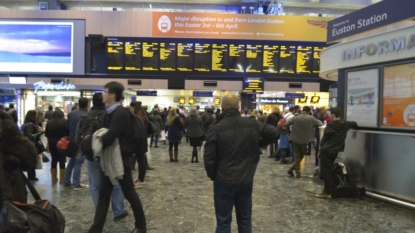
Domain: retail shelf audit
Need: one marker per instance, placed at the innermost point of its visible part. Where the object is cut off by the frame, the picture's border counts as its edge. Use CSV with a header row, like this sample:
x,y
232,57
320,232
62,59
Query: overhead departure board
x,y
316,59
304,57
287,59
219,60
271,57
253,85
253,58
132,55
236,57
150,56
185,56
115,51
168,56
202,57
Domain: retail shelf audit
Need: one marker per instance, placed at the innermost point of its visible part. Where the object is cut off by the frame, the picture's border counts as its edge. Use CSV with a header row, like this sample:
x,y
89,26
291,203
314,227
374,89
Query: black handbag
x,y
152,128
39,217
40,147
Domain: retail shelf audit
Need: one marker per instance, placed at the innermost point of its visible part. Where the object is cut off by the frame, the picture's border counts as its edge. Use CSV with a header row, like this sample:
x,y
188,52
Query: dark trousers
x,y
175,144
31,173
142,167
317,149
128,190
326,163
225,198
56,156
194,154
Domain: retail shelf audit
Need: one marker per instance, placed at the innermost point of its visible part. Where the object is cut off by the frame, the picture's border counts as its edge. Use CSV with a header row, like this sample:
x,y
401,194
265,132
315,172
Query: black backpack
x,y
207,120
342,186
89,126
138,135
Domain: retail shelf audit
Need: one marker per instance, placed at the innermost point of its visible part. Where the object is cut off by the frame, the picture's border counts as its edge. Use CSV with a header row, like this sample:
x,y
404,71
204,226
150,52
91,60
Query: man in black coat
x,y
231,157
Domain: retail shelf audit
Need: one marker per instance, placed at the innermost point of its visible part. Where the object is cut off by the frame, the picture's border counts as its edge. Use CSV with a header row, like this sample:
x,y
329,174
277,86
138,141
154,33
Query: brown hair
x,y
30,117
336,111
138,109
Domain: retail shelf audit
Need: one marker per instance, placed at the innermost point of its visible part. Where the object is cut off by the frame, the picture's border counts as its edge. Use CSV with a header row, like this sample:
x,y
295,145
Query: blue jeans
x,y
95,179
225,198
74,165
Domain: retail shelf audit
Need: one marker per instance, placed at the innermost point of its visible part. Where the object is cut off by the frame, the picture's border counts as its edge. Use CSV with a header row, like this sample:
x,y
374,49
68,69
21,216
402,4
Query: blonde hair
x,y
171,116
276,110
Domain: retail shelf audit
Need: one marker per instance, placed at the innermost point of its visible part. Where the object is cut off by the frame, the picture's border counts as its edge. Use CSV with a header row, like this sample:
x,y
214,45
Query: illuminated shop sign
x,y
52,86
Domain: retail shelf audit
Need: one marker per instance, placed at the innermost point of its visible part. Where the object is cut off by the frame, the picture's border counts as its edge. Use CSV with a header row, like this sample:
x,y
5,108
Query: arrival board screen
x,y
287,59
316,59
219,61
253,85
150,56
304,56
236,57
132,55
253,58
202,57
185,56
115,50
271,56
168,56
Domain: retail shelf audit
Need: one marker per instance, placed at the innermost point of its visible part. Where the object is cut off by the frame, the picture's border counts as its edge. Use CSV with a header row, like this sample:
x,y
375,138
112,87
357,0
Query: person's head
x,y
156,112
11,105
230,101
322,111
57,108
171,116
276,110
74,107
297,109
97,100
218,111
30,117
133,103
253,114
336,113
1,107
113,92
50,108
145,107
306,109
165,110
83,102
139,110
197,107
292,109
156,106
58,114
193,112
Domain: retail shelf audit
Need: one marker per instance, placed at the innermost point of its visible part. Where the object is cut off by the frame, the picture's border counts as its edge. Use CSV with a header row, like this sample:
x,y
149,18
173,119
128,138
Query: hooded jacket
x,y
334,136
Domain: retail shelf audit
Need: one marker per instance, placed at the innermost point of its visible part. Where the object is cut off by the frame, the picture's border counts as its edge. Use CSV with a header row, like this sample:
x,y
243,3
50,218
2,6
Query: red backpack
x,y
281,125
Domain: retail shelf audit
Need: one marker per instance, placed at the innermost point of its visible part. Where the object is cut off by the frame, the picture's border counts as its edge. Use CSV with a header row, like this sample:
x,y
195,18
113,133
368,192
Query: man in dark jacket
x,y
331,144
118,123
13,113
231,158
49,113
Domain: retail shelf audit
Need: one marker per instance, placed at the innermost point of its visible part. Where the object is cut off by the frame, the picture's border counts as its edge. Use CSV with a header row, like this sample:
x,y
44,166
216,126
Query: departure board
x,y
287,59
253,85
150,56
219,61
271,57
132,55
168,56
304,57
236,57
115,50
185,57
253,58
202,57
316,59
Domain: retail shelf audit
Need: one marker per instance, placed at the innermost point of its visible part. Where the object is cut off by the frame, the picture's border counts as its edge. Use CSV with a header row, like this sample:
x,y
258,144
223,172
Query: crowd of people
x,y
233,138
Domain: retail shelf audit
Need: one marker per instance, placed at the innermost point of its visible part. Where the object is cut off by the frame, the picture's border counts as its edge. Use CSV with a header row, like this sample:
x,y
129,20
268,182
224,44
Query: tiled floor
x,y
178,198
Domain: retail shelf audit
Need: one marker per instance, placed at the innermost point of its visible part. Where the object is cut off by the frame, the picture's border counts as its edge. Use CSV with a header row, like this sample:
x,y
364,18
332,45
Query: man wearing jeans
x,y
94,167
75,164
301,133
118,122
231,157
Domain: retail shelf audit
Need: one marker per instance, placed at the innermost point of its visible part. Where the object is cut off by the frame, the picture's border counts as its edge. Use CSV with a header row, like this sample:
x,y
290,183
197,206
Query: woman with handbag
x,y
175,130
194,132
31,131
156,119
55,130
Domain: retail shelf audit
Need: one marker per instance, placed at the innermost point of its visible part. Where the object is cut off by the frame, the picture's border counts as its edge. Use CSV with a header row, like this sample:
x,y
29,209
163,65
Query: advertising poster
x,y
398,106
362,97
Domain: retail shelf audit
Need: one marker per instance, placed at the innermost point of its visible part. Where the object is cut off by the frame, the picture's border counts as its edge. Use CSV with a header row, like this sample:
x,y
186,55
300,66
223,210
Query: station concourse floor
x,y
178,198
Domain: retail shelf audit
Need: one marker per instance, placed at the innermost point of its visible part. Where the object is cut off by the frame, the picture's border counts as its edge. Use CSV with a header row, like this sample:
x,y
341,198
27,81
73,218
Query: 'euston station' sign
x,y
374,16
53,86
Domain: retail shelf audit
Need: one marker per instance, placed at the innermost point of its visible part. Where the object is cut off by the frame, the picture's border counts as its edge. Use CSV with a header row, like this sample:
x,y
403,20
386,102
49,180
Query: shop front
x,y
266,104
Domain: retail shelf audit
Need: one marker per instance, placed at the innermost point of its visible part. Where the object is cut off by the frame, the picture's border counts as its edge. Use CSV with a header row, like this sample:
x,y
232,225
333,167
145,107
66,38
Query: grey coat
x,y
194,126
302,131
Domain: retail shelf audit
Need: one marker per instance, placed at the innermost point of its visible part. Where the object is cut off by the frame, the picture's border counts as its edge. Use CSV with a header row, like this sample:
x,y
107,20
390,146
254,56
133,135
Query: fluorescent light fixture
x,y
17,80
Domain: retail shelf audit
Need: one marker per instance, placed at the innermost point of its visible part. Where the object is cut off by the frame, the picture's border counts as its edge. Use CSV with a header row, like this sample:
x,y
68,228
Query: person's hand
x,y
41,129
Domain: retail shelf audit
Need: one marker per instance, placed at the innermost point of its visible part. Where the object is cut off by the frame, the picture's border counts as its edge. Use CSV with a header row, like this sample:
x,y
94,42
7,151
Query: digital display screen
x,y
304,57
271,56
253,58
115,50
316,59
132,55
168,56
150,56
219,61
185,56
287,59
236,57
253,85
202,57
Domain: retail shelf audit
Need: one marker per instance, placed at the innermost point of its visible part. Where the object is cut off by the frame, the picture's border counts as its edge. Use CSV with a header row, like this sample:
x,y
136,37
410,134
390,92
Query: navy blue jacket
x,y
175,131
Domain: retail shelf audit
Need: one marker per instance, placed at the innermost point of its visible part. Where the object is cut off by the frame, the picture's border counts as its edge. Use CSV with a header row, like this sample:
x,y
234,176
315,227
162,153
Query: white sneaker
x,y
139,184
81,187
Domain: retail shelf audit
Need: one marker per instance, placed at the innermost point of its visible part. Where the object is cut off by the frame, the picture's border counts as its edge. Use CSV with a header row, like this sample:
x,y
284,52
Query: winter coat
x,y
334,135
156,119
55,130
175,131
302,130
18,154
233,146
194,126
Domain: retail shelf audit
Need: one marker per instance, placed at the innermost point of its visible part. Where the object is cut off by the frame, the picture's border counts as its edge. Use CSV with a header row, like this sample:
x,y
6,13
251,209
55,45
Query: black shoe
x,y
118,218
156,146
196,161
138,231
33,179
150,168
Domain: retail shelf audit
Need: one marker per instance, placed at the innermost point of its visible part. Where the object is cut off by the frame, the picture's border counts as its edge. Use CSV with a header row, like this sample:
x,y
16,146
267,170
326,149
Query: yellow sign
x,y
217,101
191,100
241,26
182,100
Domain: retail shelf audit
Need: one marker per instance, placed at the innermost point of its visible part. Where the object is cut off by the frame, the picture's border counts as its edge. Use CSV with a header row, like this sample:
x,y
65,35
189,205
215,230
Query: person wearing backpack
x,y
273,119
284,141
207,119
156,119
88,124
